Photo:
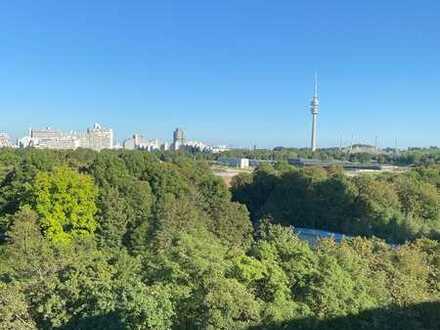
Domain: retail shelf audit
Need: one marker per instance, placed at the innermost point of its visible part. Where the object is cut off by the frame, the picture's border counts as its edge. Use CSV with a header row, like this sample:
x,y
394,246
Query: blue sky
x,y
232,71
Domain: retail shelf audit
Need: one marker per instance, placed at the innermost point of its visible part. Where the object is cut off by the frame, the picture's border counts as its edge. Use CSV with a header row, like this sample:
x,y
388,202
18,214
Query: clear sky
x,y
237,72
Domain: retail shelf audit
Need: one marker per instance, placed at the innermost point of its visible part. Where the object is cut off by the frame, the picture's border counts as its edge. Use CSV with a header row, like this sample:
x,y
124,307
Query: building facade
x,y
95,138
179,142
178,139
242,163
139,142
5,140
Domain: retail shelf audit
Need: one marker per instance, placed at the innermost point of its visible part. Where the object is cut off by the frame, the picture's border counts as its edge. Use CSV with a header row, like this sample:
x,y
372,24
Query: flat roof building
x,y
95,138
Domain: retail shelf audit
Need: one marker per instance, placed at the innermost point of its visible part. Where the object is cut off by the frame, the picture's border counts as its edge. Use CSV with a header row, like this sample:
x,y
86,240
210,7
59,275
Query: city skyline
x,y
231,73
150,143
99,137
73,138
154,143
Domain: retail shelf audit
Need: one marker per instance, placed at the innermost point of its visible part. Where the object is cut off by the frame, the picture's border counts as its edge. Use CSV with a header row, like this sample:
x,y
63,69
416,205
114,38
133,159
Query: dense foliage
x,y
395,207
125,240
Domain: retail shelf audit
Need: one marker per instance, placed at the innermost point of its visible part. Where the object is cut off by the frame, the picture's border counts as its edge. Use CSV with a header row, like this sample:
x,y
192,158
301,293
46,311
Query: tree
x,y
229,305
108,170
174,215
113,217
168,249
230,222
287,264
65,203
14,312
254,191
28,254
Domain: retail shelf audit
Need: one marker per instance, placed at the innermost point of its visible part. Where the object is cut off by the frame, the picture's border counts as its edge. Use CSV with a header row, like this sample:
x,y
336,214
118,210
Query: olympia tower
x,y
314,107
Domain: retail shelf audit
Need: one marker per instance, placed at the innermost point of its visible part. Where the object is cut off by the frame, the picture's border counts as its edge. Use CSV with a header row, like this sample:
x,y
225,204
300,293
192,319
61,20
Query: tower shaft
x,y
314,109
313,145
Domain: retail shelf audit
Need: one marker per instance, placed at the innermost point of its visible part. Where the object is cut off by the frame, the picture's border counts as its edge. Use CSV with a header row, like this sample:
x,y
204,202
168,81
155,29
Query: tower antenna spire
x,y
314,109
316,84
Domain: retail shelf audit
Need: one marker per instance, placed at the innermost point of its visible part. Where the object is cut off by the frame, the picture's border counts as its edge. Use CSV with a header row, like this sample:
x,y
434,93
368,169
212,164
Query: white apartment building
x,y
95,138
139,142
5,141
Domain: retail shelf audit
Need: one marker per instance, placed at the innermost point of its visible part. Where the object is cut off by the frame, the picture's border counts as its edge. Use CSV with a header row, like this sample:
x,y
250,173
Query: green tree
x,y
14,310
65,203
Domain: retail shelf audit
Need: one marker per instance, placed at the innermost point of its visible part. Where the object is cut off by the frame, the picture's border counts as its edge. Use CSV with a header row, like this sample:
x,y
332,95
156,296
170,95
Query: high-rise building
x,y
139,142
96,138
5,141
49,138
314,108
178,139
42,134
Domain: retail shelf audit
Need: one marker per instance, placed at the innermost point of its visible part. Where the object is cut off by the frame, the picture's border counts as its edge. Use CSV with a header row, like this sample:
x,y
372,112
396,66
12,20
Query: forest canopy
x,y
395,207
133,240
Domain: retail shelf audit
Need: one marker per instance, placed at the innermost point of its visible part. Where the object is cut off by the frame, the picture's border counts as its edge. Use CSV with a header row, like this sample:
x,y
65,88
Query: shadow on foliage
x,y
111,321
424,316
